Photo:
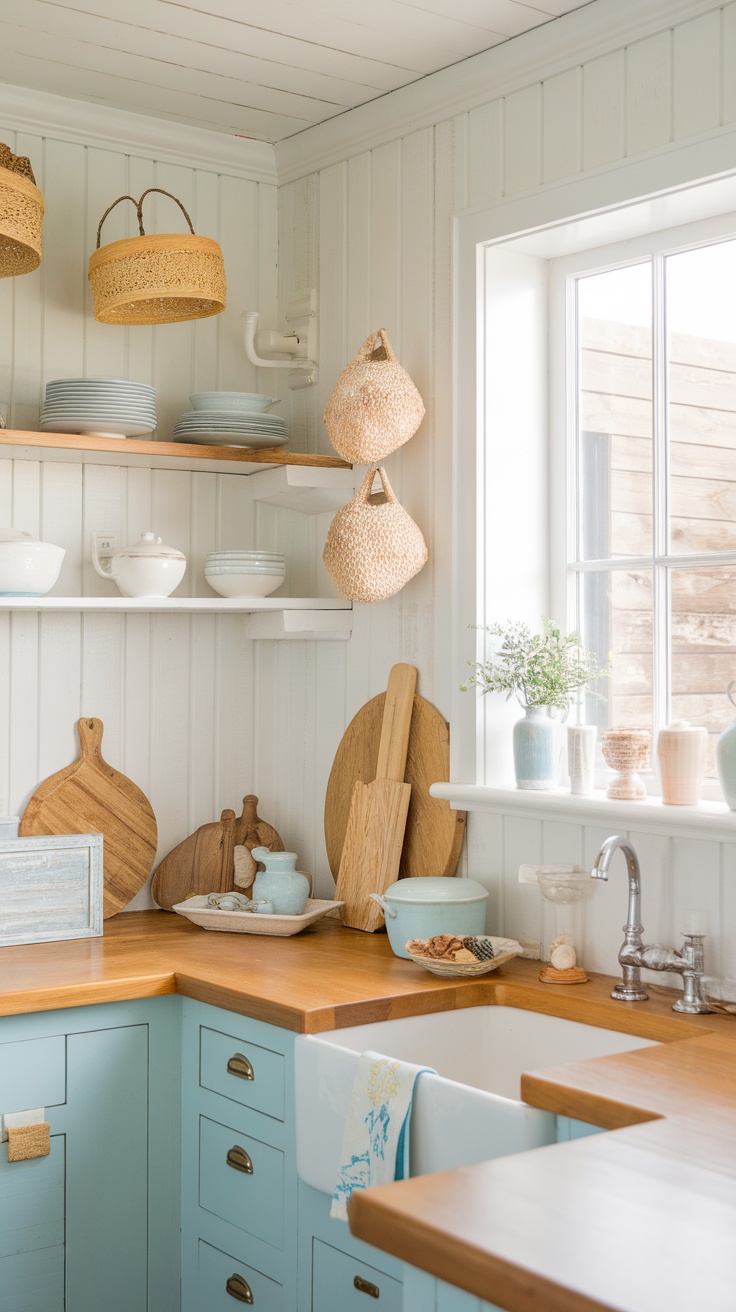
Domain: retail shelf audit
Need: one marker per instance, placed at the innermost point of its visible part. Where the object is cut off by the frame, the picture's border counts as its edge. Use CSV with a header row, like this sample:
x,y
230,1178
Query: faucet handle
x,y
693,1001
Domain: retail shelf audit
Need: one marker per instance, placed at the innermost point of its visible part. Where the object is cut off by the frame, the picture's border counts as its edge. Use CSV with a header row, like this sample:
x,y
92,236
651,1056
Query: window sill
x,y
711,820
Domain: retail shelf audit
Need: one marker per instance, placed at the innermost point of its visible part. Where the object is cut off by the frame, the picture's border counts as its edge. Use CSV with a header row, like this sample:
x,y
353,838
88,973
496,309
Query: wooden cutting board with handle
x,y
434,833
204,862
90,797
376,821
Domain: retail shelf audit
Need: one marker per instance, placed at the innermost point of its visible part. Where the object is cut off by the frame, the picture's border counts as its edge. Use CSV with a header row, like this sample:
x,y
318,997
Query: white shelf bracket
x,y
295,349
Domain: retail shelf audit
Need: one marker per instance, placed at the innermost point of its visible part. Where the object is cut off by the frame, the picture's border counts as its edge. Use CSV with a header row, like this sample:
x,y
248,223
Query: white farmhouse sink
x,y
470,1111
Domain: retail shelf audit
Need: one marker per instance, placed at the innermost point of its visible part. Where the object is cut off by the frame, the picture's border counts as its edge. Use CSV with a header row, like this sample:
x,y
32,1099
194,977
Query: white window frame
x,y
683,184
564,446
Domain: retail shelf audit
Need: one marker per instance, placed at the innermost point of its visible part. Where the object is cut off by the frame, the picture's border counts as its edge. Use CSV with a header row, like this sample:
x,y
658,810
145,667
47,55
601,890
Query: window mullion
x,y
660,499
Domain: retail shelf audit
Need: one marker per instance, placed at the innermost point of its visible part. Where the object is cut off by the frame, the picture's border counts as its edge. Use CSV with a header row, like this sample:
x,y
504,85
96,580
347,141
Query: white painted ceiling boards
x,y
265,69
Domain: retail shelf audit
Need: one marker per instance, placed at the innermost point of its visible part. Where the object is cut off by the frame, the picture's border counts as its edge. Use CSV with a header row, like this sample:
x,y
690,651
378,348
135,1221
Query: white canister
x,y
581,758
682,749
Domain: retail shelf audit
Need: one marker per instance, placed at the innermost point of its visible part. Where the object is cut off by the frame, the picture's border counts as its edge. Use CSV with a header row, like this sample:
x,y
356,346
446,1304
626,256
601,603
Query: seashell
x,y
245,866
481,948
228,902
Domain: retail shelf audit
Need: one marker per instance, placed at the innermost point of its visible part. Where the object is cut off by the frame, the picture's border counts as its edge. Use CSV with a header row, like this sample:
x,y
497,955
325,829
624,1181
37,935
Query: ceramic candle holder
x,y
626,751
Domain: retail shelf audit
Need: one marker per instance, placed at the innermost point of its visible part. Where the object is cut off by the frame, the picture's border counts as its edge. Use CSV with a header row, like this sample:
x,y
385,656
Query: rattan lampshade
x,y
21,217
162,278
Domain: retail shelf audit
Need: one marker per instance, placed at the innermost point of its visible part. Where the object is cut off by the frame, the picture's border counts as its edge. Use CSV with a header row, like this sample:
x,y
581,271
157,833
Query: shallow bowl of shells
x,y
504,949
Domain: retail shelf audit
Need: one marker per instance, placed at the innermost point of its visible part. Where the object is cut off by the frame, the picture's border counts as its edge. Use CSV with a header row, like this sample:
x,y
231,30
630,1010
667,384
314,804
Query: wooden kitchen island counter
x,y
640,1220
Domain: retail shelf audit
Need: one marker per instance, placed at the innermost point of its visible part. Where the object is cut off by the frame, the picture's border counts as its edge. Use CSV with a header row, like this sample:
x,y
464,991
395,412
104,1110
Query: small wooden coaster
x,y
26,1141
548,975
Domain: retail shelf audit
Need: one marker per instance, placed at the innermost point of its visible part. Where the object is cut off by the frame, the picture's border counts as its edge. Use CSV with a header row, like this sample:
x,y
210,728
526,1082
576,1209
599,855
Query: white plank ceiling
x,y
256,68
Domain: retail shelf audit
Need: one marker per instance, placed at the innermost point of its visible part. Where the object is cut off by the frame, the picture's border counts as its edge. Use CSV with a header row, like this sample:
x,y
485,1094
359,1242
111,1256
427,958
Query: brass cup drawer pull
x,y
366,1287
238,1158
240,1066
239,1288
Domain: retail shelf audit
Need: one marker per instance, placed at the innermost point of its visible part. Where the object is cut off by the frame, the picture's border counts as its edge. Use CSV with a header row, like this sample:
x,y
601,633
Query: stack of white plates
x,y
231,419
244,573
101,407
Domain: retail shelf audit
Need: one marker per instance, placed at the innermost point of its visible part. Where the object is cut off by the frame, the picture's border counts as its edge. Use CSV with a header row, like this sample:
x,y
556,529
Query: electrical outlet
x,y
104,546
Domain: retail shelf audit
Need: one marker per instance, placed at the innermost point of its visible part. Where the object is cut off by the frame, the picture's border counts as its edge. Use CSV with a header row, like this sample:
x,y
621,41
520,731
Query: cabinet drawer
x,y
338,1281
226,1283
242,1181
33,1282
245,1072
31,1202
32,1073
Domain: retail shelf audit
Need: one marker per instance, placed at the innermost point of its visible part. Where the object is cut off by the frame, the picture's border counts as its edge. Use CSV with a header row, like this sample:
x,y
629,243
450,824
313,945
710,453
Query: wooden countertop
x,y
639,1220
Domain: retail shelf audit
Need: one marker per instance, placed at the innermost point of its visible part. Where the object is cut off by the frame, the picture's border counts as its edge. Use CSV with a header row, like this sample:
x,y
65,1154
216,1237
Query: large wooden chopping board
x,y
90,797
434,833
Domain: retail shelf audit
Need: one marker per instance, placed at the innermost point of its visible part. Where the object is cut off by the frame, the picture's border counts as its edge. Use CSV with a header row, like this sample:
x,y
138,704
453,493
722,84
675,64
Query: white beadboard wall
x,y
373,231
178,695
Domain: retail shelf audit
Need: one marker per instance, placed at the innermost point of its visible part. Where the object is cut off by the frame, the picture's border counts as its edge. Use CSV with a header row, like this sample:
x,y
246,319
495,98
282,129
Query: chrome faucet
x,y
635,953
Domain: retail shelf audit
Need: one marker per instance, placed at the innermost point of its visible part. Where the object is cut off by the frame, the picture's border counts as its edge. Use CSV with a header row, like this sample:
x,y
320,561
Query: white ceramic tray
x,y
504,949
247,922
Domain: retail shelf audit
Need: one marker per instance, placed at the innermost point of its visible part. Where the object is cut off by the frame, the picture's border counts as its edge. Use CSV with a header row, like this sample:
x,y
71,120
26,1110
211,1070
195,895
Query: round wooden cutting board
x,y
434,833
89,797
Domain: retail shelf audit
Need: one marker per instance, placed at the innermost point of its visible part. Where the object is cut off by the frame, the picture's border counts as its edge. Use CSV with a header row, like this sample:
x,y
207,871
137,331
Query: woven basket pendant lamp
x,y
163,278
21,216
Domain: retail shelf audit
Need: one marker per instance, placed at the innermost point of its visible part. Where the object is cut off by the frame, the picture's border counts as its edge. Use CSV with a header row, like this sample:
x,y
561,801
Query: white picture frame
x,y
50,888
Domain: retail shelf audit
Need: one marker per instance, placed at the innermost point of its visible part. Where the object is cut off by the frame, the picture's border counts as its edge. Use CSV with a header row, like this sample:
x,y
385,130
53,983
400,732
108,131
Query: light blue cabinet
x,y
171,1185
239,1188
95,1224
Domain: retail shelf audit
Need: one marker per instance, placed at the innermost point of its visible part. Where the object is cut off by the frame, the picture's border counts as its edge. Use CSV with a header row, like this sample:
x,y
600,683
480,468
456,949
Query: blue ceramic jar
x,y
280,883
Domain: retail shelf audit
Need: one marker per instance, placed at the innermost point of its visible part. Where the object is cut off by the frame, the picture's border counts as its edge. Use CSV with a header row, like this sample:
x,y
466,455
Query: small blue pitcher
x,y
280,883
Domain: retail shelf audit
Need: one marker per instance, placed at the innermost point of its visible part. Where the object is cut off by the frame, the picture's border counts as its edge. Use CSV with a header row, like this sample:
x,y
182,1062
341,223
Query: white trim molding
x,y
533,56
90,124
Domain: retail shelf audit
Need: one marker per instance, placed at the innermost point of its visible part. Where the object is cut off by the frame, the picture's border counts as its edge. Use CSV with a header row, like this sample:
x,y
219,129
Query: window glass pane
x,y
701,348
616,623
703,648
615,412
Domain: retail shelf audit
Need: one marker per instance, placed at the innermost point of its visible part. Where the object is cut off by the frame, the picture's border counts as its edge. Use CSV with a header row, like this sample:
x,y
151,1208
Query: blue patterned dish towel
x,y
375,1148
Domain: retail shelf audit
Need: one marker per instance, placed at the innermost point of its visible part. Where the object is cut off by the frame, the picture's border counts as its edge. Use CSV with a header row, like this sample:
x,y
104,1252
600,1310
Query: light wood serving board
x,y
203,862
434,833
90,797
376,820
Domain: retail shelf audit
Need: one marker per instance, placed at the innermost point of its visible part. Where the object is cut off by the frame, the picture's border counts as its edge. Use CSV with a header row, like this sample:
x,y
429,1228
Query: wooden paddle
x,y
204,863
434,833
375,829
89,797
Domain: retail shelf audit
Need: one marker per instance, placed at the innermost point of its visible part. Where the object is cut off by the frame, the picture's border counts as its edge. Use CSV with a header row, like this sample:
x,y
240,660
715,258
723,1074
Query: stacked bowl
x,y
244,573
231,419
99,407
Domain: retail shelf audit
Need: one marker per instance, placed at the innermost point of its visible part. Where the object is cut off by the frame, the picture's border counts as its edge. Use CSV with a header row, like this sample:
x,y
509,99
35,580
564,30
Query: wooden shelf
x,y
22,445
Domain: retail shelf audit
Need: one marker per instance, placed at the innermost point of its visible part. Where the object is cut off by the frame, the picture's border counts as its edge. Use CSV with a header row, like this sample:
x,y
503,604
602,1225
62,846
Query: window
x,y
650,430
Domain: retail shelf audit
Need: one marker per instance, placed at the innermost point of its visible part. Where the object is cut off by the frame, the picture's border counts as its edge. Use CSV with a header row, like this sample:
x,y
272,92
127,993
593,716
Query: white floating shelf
x,y
272,606
299,487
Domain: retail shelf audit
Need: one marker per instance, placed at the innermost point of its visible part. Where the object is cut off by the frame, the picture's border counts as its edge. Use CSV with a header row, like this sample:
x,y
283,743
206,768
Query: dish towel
x,y
375,1148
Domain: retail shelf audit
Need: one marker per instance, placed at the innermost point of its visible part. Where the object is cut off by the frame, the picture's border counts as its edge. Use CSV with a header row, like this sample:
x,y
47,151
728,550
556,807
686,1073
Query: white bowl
x,y
244,585
255,402
29,569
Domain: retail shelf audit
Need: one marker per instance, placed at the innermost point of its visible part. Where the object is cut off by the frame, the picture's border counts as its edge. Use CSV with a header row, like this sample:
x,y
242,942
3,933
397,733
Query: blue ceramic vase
x,y
280,883
536,749
726,756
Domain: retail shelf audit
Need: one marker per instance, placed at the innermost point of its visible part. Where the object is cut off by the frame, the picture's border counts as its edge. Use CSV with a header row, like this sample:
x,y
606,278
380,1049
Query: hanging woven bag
x,y
161,278
21,215
373,546
374,407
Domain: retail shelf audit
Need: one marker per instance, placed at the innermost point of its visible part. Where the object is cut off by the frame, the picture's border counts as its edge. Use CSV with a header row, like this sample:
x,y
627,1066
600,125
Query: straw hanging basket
x,y
21,216
373,546
156,279
374,407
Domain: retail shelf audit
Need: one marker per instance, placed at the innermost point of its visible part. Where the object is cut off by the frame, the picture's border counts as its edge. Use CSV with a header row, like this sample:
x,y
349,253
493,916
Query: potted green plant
x,y
544,671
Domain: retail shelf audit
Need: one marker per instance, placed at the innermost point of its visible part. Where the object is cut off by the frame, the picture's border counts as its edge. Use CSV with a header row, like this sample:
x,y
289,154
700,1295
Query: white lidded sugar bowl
x,y
146,568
